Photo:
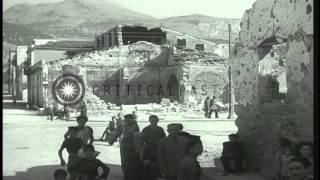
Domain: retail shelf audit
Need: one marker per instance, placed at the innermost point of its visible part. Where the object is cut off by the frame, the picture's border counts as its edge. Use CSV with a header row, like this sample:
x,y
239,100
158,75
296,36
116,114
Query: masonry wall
x,y
35,87
21,79
48,55
139,73
201,81
192,41
261,123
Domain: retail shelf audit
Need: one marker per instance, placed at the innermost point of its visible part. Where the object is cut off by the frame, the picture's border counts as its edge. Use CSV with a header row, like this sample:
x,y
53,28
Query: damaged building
x,y
124,35
43,51
272,69
127,68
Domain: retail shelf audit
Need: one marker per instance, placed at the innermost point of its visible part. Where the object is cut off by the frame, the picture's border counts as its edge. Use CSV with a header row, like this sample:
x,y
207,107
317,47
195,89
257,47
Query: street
x,y
31,142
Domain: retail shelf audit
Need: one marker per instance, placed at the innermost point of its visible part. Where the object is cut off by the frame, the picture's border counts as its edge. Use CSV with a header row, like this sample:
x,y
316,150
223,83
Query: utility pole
x,y
231,100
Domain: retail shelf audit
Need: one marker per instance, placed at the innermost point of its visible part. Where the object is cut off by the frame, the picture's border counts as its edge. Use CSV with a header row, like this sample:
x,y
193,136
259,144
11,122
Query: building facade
x,y
125,35
42,52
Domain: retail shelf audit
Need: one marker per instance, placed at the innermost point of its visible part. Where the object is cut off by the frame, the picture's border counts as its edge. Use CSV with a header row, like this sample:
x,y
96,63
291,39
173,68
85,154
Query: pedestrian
x,y
110,130
213,107
73,144
189,168
152,135
83,108
285,159
206,107
66,112
129,127
171,150
300,169
135,168
232,150
281,160
87,167
118,129
85,133
135,115
305,149
60,174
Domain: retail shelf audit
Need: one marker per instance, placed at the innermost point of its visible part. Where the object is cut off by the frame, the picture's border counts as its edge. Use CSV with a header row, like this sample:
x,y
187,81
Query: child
x,y
284,145
305,149
73,144
285,159
87,168
189,168
60,174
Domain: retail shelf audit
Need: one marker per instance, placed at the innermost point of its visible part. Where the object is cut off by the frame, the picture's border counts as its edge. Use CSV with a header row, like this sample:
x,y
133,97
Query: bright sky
x,y
167,8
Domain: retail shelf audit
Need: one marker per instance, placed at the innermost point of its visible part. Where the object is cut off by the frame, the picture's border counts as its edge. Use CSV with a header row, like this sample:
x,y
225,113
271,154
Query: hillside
x,y
87,18
206,27
20,35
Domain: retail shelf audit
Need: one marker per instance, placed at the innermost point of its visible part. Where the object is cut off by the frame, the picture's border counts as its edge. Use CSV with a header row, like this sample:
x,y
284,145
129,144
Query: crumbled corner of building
x,y
102,69
273,85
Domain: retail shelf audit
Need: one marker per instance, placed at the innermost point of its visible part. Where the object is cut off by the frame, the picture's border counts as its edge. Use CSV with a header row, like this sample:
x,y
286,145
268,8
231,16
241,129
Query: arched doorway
x,y
173,88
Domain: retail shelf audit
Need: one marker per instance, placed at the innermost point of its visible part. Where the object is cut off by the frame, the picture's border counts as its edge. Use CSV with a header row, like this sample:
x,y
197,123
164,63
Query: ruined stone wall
x,y
140,73
122,75
191,41
260,122
48,55
201,81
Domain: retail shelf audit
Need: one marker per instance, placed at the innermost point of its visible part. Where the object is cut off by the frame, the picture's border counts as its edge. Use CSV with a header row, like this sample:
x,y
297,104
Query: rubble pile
x,y
96,106
195,56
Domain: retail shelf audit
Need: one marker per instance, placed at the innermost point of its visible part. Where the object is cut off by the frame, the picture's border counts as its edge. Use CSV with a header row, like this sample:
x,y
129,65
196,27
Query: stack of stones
x,y
196,56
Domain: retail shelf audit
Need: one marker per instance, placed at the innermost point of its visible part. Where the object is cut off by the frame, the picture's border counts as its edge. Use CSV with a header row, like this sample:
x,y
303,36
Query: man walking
x,y
171,150
213,107
127,131
206,107
152,135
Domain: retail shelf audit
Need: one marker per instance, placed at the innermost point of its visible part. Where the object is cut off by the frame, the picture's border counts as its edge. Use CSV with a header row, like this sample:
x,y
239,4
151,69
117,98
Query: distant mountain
x,y
87,18
20,35
70,13
206,27
71,18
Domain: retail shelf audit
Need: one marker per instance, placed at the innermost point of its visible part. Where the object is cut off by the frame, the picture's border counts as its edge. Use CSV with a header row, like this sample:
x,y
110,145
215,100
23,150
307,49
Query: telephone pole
x,y
231,99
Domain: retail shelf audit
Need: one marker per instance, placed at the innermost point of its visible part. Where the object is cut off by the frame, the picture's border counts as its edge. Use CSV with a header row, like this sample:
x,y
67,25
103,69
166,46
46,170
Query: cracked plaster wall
x,y
260,123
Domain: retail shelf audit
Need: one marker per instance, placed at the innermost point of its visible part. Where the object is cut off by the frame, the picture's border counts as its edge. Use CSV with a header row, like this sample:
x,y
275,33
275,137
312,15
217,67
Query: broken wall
x,y
201,81
191,41
260,122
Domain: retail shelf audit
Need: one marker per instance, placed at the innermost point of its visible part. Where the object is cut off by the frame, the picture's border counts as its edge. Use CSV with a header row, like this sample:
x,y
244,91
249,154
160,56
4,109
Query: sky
x,y
168,8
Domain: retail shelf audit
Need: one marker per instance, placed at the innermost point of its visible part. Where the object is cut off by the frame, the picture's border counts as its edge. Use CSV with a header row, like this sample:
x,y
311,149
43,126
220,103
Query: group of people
x,y
150,154
82,163
290,162
210,106
293,161
145,155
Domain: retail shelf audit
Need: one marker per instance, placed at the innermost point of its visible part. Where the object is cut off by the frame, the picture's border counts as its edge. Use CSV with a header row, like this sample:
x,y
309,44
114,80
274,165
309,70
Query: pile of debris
x,y
196,56
168,106
97,106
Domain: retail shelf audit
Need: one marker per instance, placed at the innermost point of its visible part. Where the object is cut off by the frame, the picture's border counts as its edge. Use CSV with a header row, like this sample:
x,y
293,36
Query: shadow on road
x,y
46,173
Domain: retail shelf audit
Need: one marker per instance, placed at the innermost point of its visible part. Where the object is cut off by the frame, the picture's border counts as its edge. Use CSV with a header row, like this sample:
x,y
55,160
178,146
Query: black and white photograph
x,y
158,90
